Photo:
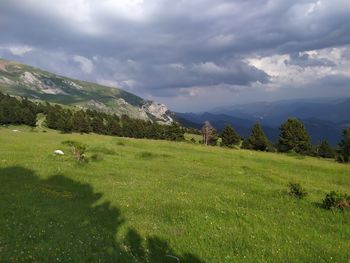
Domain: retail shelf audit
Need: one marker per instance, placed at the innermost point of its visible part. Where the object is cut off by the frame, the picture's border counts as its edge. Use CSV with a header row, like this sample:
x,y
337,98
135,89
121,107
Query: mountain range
x,y
324,118
23,80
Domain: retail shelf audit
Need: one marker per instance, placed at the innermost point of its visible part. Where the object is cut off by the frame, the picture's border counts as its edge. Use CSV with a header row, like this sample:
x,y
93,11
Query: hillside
x,y
23,80
140,200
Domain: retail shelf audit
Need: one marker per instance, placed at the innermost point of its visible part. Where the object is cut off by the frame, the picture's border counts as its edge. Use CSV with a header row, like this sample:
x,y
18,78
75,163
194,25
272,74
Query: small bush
x,y
193,140
335,200
296,190
78,150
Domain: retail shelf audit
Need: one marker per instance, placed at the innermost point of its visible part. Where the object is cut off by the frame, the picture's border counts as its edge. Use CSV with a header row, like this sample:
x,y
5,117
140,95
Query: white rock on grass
x,y
58,152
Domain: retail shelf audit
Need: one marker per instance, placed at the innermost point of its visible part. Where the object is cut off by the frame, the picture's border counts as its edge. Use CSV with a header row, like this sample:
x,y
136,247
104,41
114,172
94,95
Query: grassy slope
x,y
147,198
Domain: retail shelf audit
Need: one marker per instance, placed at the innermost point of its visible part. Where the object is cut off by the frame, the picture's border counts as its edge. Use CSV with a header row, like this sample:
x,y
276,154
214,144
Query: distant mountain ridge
x,y
323,118
23,80
328,109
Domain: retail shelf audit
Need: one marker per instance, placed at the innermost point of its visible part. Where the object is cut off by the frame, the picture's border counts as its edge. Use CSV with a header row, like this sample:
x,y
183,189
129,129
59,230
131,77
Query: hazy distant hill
x,y
328,109
323,118
23,80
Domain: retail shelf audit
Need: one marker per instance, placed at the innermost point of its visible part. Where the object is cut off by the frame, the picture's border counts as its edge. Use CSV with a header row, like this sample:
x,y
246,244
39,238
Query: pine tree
x,y
293,137
97,125
81,122
344,147
324,150
113,127
229,137
257,140
213,139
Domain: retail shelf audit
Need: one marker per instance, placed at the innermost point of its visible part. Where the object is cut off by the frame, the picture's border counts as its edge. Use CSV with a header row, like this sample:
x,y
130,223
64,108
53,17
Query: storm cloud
x,y
190,54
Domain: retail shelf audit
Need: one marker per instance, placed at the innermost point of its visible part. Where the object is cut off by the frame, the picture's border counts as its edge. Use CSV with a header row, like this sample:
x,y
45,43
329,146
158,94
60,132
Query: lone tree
x,y
229,137
208,133
324,150
344,147
257,140
293,137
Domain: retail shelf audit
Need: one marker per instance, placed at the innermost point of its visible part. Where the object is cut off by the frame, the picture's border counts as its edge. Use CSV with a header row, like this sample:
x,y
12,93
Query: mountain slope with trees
x,y
23,80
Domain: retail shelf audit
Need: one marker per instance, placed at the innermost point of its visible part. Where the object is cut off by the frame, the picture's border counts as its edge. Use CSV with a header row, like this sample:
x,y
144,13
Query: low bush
x,y
296,190
336,200
78,150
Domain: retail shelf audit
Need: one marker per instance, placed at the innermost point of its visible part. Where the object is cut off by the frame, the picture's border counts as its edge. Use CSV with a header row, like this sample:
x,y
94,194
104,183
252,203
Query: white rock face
x,y
97,105
159,111
29,78
5,80
46,86
73,85
122,102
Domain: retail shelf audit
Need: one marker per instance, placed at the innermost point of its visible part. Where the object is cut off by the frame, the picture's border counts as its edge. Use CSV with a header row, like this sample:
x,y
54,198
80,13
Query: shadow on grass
x,y
57,220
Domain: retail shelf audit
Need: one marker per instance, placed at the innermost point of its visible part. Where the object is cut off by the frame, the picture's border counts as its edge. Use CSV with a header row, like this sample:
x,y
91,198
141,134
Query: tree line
x,y
293,138
23,111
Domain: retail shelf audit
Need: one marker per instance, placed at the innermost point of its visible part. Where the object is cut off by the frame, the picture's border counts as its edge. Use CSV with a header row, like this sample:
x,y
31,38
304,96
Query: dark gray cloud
x,y
305,60
165,48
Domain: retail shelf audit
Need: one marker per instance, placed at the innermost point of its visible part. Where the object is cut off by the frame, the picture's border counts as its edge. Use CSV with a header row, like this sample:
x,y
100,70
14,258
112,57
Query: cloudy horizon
x,y
191,55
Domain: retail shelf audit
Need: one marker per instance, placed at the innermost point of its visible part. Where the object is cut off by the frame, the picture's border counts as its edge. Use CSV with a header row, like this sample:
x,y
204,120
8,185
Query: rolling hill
x,y
23,80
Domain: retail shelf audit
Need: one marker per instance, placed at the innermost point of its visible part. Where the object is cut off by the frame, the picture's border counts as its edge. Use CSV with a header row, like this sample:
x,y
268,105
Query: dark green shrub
x,y
296,190
193,140
78,150
344,147
335,200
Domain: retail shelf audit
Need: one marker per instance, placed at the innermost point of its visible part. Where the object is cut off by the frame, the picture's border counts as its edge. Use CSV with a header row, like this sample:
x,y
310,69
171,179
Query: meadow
x,y
157,201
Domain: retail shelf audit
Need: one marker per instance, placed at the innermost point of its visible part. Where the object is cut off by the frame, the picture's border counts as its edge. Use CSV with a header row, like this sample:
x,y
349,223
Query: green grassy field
x,y
148,199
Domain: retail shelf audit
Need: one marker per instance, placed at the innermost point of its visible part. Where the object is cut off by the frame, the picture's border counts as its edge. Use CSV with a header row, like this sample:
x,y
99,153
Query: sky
x,y
192,55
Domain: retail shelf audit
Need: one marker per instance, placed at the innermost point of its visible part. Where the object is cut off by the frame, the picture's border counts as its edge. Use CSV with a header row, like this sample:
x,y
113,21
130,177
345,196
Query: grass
x,y
147,199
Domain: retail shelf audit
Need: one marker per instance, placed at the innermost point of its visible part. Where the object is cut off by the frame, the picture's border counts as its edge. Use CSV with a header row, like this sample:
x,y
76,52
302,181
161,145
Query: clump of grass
x,y
336,200
78,150
120,143
97,157
104,150
164,155
149,155
296,190
146,155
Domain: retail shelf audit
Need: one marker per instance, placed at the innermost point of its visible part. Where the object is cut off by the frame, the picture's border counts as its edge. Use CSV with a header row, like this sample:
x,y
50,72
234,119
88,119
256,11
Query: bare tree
x,y
207,132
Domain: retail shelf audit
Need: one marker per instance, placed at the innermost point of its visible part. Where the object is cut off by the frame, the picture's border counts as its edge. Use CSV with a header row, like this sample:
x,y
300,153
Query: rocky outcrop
x,y
158,111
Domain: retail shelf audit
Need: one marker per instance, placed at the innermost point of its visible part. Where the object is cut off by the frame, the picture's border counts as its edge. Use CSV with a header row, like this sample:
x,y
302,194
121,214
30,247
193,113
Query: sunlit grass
x,y
207,204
